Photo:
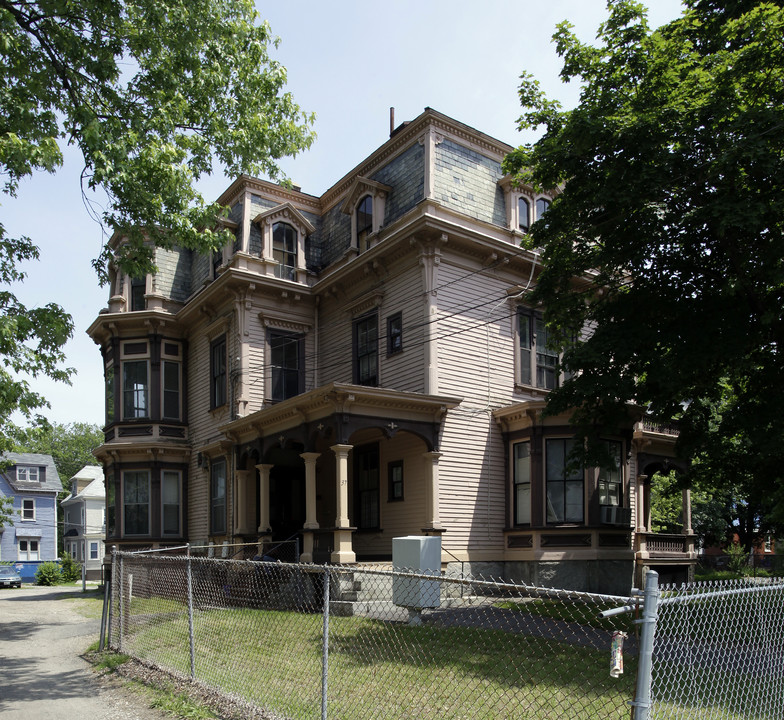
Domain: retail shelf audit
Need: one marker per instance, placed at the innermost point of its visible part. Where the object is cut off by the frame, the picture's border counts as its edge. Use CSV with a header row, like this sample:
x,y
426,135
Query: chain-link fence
x,y
308,641
719,651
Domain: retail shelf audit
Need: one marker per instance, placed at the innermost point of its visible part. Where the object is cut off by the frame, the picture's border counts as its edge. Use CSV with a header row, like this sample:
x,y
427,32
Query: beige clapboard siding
x,y
475,363
203,422
335,343
403,293
471,482
398,518
475,338
255,380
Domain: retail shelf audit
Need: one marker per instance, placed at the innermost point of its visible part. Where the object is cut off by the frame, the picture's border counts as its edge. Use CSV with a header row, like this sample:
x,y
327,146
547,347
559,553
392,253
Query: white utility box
x,y
421,555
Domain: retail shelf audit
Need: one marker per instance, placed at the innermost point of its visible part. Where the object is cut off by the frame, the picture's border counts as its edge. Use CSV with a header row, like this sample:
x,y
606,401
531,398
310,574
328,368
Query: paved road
x,y
42,673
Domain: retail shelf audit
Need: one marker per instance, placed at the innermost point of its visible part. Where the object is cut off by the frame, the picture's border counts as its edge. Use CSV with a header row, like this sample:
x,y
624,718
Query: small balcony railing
x,y
664,545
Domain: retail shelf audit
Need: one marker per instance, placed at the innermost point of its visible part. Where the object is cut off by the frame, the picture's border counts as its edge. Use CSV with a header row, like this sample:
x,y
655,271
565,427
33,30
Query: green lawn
x,y
382,669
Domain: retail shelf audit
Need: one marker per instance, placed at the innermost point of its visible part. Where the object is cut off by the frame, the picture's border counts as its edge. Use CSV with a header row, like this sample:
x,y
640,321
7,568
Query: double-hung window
x,y
170,500
286,362
28,549
136,399
284,250
136,502
28,509
565,483
171,390
366,350
364,217
218,372
394,333
138,290
521,472
538,362
366,474
611,481
218,496
27,473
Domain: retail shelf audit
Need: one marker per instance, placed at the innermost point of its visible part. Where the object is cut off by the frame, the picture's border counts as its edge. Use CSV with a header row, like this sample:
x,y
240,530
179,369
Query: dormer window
x,y
364,220
283,232
366,204
284,250
27,474
138,290
523,214
542,206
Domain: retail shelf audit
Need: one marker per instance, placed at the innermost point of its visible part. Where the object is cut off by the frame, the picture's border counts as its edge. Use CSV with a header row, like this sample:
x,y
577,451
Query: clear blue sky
x,y
348,61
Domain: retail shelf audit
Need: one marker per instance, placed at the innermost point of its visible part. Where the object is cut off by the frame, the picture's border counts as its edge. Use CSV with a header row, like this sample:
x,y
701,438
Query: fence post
x,y
325,646
642,698
121,593
190,613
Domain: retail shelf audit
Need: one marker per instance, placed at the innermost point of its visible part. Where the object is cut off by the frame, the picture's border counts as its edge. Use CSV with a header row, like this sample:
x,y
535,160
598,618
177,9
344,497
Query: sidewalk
x,y
42,673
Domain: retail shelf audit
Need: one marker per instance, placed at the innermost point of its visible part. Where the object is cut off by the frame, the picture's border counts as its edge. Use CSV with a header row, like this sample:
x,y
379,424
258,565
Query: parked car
x,y
9,577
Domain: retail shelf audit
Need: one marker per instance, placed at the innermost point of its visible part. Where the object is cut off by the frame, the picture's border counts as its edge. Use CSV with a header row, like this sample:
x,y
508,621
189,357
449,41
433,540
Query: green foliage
x,y
6,511
70,570
180,705
154,94
69,444
737,559
48,573
667,234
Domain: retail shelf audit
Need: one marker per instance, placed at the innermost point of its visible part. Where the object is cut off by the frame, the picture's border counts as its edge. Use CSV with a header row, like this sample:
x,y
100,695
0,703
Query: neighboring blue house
x,y
33,482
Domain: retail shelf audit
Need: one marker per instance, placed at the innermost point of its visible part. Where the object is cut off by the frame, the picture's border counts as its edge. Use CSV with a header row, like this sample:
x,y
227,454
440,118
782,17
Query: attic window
x,y
364,222
27,474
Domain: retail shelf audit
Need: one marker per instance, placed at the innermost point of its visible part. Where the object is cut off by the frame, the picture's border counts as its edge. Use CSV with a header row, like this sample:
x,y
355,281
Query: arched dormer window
x,y
284,250
366,204
523,214
542,206
283,232
364,219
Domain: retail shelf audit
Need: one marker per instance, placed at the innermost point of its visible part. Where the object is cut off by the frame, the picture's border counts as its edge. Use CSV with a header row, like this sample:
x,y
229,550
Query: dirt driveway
x,y
42,673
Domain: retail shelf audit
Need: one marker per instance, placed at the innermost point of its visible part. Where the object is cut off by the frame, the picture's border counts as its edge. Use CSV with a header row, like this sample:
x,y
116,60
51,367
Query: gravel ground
x,y
43,675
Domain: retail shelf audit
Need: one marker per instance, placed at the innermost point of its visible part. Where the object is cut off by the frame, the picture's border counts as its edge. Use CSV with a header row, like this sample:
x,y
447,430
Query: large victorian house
x,y
360,366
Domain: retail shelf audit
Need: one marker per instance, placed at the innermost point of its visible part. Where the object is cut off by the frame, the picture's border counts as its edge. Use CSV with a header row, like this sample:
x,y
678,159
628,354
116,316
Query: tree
x,y
155,94
69,444
6,511
666,234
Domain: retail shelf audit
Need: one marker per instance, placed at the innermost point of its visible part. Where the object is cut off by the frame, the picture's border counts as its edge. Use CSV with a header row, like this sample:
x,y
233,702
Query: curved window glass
x,y
523,214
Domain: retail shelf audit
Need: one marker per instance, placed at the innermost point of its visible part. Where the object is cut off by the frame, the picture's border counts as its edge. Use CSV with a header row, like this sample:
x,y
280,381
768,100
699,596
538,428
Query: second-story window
x,y
218,372
286,362
538,363
135,389
366,350
171,390
27,474
284,250
364,222
394,333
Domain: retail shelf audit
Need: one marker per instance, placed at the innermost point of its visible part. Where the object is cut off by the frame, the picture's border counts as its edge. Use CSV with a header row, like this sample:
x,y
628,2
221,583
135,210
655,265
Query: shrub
x,y
70,569
737,559
48,573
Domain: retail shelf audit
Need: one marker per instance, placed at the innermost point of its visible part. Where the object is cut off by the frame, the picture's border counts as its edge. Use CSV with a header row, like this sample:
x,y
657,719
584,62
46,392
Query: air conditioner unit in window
x,y
613,515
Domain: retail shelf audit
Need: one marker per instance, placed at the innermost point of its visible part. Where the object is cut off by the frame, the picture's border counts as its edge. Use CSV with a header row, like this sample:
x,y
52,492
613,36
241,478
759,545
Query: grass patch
x,y
386,669
179,705
569,612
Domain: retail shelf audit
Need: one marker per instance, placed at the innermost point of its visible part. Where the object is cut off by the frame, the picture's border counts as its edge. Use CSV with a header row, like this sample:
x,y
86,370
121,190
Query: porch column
x,y
686,495
433,515
264,488
311,523
241,503
343,549
641,484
